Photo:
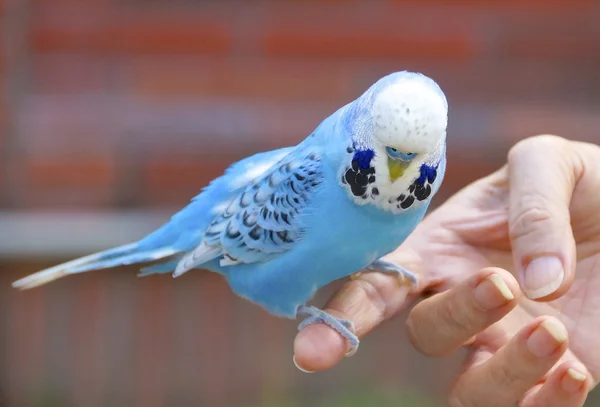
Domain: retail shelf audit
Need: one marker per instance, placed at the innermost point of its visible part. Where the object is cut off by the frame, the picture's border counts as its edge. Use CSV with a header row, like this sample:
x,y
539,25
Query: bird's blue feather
x,y
265,219
185,229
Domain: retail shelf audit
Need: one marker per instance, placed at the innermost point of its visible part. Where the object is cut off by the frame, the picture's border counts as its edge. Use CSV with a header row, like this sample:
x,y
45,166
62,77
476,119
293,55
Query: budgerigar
x,y
281,224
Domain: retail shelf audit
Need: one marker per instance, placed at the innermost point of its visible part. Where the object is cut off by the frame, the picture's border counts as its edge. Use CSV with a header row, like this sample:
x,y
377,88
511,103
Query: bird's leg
x,y
343,326
388,267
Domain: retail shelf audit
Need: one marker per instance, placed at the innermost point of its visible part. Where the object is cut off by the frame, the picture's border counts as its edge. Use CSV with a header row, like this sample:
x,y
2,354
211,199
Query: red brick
x,y
565,33
363,31
71,171
172,179
68,74
577,41
153,350
69,181
558,48
107,4
254,78
25,330
88,325
70,125
2,80
514,5
574,122
337,41
133,37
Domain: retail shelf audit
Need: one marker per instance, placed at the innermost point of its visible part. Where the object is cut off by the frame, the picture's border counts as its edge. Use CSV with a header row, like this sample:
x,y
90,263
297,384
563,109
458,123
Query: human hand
x,y
521,358
543,204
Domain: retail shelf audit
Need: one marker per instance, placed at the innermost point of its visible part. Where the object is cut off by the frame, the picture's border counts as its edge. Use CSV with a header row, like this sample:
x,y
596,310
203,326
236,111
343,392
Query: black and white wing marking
x,y
263,221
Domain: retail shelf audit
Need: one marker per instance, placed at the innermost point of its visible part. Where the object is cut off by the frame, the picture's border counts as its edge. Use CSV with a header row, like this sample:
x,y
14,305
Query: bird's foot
x,y
388,267
343,326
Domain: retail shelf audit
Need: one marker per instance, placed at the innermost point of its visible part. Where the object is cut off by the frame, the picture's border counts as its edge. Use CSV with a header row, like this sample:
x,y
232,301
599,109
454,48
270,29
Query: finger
x,y
542,175
367,301
504,378
566,386
443,323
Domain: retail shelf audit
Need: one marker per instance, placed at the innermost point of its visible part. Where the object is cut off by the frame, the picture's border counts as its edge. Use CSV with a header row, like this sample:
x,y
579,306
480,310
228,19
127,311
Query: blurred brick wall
x,y
134,103
126,104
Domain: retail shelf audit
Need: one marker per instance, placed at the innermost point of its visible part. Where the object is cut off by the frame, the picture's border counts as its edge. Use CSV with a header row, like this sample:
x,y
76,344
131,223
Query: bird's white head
x,y
396,149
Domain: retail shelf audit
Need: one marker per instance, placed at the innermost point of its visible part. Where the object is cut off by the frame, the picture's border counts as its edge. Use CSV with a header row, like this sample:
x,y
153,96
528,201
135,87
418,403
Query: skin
x,y
540,351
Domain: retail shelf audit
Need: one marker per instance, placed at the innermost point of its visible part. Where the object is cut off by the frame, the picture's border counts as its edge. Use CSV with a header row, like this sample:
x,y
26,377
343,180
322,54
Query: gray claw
x,y
388,267
343,326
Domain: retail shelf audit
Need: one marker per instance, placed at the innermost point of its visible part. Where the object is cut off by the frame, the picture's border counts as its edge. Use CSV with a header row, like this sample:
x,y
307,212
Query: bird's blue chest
x,y
357,235
340,239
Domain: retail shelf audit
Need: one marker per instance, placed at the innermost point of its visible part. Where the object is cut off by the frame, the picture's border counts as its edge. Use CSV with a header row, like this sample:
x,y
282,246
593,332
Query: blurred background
x,y
116,112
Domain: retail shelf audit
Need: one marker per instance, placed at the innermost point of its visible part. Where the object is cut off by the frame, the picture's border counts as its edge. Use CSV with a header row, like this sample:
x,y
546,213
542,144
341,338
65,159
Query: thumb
x,y
542,176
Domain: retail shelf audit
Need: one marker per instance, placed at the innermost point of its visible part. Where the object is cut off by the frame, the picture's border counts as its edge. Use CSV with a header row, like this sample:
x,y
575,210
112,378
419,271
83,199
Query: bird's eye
x,y
399,155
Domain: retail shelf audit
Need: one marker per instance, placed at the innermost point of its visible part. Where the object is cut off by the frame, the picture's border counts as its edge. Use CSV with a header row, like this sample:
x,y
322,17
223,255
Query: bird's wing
x,y
185,228
263,221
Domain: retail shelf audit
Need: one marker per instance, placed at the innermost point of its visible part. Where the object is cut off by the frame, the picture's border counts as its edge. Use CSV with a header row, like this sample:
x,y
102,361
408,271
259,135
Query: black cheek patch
x,y
358,178
361,174
361,178
420,189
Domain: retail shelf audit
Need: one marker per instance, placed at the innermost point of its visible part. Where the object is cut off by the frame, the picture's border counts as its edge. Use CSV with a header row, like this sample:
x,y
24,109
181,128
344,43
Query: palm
x,y
470,232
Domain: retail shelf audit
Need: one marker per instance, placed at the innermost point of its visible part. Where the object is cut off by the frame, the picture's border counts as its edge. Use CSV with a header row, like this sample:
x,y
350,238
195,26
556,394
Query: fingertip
x,y
511,282
574,380
570,377
493,292
318,347
300,366
546,278
566,386
548,339
542,276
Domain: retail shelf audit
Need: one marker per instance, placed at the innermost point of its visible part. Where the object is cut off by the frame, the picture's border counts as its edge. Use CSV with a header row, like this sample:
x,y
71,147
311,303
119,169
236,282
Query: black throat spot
x,y
359,179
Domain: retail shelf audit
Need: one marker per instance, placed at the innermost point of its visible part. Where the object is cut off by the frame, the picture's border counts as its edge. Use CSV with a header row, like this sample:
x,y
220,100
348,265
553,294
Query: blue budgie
x,y
281,224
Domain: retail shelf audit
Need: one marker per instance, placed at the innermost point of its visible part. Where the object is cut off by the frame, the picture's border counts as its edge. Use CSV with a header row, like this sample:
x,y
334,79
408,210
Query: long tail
x,y
122,255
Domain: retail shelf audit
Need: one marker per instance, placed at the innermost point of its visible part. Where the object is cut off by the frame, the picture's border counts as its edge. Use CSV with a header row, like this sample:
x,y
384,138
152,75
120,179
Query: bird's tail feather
x,y
160,268
122,255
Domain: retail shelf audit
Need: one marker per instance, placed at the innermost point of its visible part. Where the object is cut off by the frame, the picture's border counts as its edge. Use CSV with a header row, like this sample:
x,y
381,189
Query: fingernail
x,y
573,380
298,366
543,276
546,338
492,292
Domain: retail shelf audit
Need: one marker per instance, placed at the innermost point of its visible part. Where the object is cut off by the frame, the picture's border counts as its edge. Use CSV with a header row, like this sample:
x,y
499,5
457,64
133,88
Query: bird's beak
x,y
396,168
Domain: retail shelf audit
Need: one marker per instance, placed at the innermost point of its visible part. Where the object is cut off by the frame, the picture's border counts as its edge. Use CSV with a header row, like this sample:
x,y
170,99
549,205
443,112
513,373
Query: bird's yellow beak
x,y
396,168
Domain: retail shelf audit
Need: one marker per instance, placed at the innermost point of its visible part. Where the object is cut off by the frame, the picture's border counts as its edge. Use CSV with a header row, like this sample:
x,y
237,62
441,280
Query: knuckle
x,y
505,376
375,296
530,219
536,144
383,293
455,318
